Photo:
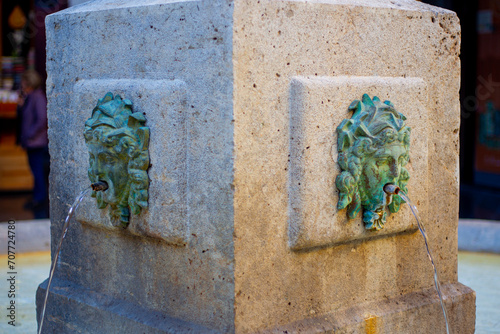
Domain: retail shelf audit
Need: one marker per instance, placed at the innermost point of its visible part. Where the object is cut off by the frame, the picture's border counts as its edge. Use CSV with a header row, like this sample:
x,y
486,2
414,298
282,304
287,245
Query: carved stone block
x,y
163,103
318,106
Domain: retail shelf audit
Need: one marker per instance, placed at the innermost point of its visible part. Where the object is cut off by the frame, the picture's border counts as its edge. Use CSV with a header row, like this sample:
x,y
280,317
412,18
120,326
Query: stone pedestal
x,y
243,234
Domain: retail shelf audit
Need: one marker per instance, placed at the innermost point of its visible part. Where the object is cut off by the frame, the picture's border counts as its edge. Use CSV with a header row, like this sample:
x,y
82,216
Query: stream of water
x,y
58,250
421,228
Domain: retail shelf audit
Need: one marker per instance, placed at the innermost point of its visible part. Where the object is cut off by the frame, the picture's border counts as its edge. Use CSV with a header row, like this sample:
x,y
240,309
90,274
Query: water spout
x,y
391,189
99,186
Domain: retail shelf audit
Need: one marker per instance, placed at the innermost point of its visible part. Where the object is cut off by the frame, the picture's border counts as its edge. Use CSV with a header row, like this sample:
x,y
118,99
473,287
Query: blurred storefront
x,y
487,157
480,106
22,47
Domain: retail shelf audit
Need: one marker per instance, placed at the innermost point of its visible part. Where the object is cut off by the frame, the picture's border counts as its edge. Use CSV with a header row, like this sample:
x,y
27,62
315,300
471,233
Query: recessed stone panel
x,y
163,104
317,106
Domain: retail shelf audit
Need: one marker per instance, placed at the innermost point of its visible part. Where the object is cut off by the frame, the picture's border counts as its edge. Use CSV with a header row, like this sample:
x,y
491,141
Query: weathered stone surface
x,y
401,314
276,41
228,252
148,47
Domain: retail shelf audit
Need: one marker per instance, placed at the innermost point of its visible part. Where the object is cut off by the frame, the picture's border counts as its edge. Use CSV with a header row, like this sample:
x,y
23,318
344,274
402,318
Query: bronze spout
x,y
99,186
391,189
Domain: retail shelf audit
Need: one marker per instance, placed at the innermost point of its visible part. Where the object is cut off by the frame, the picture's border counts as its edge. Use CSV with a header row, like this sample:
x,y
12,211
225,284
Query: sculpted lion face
x,y
117,141
373,149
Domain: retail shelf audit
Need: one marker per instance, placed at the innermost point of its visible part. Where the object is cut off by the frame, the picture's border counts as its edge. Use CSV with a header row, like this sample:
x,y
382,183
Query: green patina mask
x,y
373,147
118,141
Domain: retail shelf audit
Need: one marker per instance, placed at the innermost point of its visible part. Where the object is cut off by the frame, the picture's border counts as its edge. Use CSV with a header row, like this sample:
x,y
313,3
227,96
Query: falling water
x,y
421,227
56,257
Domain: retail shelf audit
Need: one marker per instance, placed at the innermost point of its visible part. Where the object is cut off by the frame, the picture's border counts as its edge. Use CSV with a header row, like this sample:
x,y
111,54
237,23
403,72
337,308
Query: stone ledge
x,y
93,312
400,314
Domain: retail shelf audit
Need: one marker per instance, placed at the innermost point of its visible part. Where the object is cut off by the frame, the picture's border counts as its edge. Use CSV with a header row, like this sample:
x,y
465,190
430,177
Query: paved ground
x,y
481,272
31,269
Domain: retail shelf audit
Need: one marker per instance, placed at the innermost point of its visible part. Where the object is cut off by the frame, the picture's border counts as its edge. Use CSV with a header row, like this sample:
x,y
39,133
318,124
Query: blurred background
x,y
22,47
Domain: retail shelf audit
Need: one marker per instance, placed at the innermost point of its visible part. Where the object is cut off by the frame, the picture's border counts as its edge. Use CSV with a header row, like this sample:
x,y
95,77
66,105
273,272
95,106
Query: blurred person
x,y
32,111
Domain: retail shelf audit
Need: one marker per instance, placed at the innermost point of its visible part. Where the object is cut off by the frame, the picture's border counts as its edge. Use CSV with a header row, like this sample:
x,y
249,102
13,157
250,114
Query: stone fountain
x,y
243,143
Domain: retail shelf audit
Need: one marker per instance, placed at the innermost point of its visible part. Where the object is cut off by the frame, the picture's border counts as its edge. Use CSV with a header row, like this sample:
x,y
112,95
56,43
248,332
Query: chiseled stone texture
x,y
240,65
180,46
415,312
277,41
317,107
